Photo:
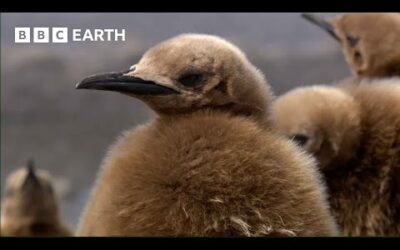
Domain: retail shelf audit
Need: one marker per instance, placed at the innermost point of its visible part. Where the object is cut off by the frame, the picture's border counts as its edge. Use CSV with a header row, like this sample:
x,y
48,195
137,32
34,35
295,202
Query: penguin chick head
x,y
29,194
191,72
369,41
323,120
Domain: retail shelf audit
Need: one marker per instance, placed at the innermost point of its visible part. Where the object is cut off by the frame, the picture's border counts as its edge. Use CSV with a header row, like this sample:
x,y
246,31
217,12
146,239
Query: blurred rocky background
x,y
68,131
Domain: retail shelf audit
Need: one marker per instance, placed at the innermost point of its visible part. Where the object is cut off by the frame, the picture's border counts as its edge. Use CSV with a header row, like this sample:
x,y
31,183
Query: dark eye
x,y
191,80
352,41
357,57
300,139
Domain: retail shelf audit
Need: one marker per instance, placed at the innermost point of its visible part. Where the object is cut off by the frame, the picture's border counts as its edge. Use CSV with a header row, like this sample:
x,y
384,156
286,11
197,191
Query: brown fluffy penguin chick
x,y
206,166
370,41
30,207
354,132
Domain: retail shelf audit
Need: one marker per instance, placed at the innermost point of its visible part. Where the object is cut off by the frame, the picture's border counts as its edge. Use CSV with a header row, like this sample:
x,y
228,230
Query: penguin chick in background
x,y
206,166
30,207
324,120
354,132
370,41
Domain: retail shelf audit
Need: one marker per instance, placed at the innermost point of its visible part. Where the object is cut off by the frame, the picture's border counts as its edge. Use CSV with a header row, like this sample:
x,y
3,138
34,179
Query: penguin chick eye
x,y
191,80
358,57
300,139
352,41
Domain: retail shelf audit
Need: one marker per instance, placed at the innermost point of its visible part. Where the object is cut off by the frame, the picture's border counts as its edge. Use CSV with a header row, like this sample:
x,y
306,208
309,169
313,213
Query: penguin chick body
x,y
354,132
369,41
30,207
206,166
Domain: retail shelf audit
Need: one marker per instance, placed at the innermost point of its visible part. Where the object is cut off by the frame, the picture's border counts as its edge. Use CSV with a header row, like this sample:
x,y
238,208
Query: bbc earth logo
x,y
65,35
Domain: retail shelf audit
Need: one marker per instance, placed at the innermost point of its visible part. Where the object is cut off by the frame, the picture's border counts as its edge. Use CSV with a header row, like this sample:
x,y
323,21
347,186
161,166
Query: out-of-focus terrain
x,y
68,131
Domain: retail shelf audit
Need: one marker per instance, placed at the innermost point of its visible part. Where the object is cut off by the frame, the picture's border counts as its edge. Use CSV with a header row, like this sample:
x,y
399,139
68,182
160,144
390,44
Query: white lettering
x,y
61,34
108,31
87,36
76,35
122,35
98,35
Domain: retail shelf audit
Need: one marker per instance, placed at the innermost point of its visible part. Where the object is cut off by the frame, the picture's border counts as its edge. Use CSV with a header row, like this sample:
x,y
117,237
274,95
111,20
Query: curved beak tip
x,y
320,22
78,85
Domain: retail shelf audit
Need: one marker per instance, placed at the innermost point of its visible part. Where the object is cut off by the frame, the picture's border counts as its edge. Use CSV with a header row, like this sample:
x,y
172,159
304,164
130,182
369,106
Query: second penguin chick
x,y
206,166
30,207
354,132
370,41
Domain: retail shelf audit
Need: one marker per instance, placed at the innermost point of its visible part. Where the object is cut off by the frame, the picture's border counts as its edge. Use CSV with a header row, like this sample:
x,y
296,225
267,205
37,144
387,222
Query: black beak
x,y
31,177
322,23
118,81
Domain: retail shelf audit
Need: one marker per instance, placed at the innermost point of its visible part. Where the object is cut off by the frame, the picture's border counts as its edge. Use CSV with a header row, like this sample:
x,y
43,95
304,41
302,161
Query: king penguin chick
x,y
206,166
370,41
354,132
30,207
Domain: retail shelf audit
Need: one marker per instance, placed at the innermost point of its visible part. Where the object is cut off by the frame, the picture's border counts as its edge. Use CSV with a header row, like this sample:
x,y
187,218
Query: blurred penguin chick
x,y
354,132
206,166
321,119
370,41
30,207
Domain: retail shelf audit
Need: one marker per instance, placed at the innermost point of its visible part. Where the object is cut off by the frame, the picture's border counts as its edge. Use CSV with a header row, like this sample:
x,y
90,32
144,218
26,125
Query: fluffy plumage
x,y
369,41
354,132
30,207
207,165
